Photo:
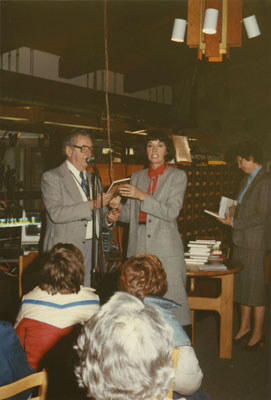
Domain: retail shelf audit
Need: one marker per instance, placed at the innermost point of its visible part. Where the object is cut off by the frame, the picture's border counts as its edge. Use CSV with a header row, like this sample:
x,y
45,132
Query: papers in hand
x,y
225,204
114,187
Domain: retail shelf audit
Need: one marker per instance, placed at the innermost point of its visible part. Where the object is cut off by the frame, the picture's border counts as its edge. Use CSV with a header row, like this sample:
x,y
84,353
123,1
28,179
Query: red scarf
x,y
153,174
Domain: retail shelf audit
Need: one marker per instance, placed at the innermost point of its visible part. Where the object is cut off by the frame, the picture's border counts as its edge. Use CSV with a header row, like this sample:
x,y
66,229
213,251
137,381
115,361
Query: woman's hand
x,y
227,220
131,191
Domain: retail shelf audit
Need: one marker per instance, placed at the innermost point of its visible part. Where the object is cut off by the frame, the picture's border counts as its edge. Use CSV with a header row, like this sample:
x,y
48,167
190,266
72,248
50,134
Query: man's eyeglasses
x,y
84,149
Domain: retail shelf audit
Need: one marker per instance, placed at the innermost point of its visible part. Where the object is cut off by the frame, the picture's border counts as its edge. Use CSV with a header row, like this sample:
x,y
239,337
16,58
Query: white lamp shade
x,y
252,26
179,28
210,21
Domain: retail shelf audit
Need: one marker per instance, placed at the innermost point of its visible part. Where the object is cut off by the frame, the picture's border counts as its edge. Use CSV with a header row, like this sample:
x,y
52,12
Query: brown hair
x,y
63,270
143,275
249,149
165,138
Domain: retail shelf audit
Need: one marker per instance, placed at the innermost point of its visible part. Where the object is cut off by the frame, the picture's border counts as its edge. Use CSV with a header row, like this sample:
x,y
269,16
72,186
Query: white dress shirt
x,y
76,175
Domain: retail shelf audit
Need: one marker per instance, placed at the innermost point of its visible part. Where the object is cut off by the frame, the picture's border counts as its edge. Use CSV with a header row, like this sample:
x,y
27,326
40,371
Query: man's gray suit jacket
x,y
67,214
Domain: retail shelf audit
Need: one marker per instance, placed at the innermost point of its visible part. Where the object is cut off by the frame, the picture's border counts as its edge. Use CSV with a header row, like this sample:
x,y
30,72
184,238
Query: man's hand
x,y
113,215
232,210
227,220
106,199
115,202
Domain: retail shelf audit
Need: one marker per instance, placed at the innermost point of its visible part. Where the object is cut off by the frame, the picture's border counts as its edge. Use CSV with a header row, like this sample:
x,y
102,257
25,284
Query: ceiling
x,y
138,33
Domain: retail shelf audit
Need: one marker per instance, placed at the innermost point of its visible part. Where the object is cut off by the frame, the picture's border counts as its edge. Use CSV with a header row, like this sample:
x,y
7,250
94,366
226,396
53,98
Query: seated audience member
x,y
124,352
13,362
144,277
55,307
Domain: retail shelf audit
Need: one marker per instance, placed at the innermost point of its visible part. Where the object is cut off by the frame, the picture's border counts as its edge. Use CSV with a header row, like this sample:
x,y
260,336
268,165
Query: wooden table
x,y
223,304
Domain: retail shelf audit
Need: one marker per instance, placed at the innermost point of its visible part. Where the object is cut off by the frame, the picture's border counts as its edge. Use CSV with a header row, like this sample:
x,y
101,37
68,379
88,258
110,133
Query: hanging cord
x,y
111,172
99,261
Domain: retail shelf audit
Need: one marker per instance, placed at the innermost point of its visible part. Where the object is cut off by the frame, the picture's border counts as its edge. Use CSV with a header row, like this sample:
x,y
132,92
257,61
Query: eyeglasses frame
x,y
81,148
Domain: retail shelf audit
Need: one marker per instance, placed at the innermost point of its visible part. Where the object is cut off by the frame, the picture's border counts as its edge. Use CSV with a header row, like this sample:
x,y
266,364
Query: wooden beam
x,y
212,41
193,23
234,26
69,100
15,113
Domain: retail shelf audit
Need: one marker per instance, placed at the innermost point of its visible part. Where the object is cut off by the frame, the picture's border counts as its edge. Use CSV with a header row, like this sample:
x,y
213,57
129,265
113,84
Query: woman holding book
x,y
250,235
155,198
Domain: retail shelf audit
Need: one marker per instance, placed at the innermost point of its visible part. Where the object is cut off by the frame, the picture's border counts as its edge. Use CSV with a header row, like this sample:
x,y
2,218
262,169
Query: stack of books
x,y
216,256
200,251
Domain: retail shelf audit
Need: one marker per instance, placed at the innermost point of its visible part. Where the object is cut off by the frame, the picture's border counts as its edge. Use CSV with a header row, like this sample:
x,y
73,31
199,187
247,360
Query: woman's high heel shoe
x,y
240,339
255,346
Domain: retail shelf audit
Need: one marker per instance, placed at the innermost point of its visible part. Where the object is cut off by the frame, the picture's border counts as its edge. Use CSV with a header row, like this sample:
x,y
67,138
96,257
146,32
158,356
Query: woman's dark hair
x,y
63,270
143,275
163,137
250,149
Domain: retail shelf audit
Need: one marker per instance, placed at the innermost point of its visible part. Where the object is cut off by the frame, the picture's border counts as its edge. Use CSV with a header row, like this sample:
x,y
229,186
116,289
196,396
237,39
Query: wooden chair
x,y
37,379
24,262
175,357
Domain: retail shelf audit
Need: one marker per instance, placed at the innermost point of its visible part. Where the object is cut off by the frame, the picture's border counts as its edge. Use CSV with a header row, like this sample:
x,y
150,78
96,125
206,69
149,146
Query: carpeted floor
x,y
244,377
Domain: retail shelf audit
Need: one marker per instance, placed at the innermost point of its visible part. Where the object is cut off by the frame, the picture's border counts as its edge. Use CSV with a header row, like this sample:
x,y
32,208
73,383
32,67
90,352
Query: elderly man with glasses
x,y
67,197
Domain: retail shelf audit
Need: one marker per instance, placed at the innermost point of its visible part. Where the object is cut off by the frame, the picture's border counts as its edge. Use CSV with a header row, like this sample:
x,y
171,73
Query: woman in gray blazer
x,y
250,228
155,198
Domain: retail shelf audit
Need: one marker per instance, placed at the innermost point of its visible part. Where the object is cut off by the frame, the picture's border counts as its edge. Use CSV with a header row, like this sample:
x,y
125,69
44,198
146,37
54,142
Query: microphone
x,y
91,161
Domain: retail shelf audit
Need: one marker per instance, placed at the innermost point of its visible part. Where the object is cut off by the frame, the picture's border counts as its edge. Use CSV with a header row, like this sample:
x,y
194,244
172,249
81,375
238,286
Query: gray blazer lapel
x,y
255,181
242,185
144,181
161,182
70,184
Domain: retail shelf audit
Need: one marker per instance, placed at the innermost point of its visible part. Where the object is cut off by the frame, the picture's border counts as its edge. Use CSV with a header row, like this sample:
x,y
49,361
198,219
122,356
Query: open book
x,y
225,204
114,187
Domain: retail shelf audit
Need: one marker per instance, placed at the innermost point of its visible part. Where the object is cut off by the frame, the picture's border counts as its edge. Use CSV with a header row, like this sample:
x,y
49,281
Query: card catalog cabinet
x,y
205,186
